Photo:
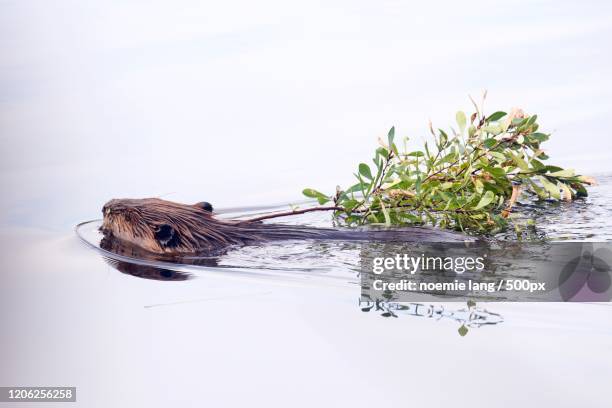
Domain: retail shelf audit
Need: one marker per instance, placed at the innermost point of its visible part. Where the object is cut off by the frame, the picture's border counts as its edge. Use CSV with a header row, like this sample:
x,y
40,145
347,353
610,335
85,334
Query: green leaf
x,y
463,330
532,120
552,169
496,116
417,184
350,204
538,190
567,192
490,143
382,152
393,148
493,187
551,187
499,156
443,140
364,170
537,165
478,185
321,198
416,154
364,185
493,129
471,130
496,172
461,120
391,136
580,190
563,173
522,164
486,199
540,137
356,188
385,212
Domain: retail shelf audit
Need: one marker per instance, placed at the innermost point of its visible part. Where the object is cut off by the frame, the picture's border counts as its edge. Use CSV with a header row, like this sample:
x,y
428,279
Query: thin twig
x,y
516,190
354,211
294,212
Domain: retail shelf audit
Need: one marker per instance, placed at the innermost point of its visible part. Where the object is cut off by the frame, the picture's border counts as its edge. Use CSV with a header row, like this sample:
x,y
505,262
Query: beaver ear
x,y
166,236
206,206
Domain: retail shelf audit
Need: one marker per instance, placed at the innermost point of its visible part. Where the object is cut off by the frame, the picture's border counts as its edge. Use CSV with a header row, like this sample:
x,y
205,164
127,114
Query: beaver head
x,y
162,226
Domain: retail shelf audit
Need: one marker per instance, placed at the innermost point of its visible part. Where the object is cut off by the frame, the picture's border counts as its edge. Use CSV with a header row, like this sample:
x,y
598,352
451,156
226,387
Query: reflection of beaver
x,y
148,272
166,227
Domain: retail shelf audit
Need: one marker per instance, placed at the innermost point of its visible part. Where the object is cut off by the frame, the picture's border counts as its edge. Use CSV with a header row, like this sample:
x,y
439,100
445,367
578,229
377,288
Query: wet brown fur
x,y
166,227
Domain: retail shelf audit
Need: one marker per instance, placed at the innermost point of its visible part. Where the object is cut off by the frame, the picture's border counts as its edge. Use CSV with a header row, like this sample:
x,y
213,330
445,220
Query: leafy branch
x,y
468,180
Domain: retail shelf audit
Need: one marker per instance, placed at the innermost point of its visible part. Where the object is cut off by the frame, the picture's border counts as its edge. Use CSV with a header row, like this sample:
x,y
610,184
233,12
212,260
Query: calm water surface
x,y
266,321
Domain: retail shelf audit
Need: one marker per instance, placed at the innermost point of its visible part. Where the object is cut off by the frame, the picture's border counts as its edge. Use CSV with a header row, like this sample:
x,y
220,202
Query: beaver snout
x,y
105,229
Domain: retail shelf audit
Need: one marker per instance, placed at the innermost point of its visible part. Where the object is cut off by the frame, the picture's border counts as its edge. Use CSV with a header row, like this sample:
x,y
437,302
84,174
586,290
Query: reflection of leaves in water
x,y
468,318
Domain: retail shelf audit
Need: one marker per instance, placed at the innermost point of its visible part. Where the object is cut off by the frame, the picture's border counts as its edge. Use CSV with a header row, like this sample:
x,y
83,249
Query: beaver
x,y
166,227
